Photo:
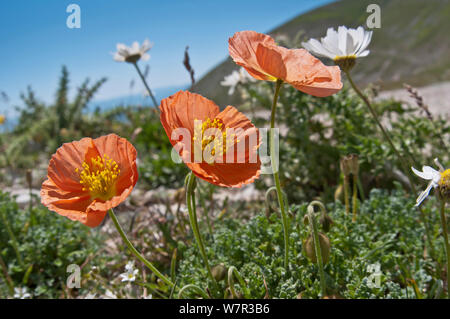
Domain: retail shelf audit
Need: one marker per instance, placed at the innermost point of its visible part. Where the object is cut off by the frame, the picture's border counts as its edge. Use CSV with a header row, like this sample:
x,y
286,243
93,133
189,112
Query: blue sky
x,y
36,41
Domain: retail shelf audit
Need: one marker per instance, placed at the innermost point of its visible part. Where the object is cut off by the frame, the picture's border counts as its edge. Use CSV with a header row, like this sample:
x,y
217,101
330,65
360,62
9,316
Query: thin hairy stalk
x,y
318,250
146,86
274,161
197,289
446,244
233,272
135,252
190,201
355,197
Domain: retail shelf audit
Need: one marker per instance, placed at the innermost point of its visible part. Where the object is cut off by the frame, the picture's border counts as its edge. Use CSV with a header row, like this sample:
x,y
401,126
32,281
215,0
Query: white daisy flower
x,y
21,293
439,178
134,53
236,77
343,45
130,273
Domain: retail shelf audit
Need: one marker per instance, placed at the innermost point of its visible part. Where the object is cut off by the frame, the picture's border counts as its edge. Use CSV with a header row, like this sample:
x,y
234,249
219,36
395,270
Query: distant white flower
x,y
130,273
134,53
150,296
21,293
235,78
436,178
90,296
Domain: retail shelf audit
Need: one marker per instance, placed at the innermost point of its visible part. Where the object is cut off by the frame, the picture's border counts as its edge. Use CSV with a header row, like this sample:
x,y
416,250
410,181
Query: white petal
x,y
363,54
342,36
118,57
331,42
145,57
424,174
424,194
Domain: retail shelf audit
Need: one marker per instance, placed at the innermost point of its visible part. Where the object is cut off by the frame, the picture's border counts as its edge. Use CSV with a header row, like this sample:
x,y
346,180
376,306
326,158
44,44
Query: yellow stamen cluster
x,y
99,177
445,179
219,145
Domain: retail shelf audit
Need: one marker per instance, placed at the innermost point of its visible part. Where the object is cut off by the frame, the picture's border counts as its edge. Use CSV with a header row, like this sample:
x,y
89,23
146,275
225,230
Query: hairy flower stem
x,y
13,239
403,162
355,197
146,85
135,252
232,272
446,244
274,161
346,194
315,231
190,201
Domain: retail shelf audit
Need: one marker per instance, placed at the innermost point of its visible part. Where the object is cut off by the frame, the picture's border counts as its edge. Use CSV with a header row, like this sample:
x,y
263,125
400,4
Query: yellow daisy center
x,y
445,179
99,177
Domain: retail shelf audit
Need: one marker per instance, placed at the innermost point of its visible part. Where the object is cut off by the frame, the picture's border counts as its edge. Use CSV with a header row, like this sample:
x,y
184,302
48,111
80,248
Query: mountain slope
x,y
412,45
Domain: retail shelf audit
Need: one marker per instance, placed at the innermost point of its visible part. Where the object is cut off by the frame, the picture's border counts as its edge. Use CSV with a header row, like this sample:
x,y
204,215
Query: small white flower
x,y
21,293
235,78
432,175
343,43
150,296
134,53
130,273
90,296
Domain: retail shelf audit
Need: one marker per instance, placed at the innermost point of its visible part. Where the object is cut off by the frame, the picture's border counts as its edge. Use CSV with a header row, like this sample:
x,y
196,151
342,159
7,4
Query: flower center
x,y
218,145
99,177
445,179
346,63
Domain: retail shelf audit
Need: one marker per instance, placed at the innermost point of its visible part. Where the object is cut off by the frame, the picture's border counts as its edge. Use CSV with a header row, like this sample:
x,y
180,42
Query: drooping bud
x,y
325,247
219,272
350,165
345,166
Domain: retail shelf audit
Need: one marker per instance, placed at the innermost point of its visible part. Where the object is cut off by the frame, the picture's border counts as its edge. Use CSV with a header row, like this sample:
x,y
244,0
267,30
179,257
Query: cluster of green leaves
x,y
387,232
36,246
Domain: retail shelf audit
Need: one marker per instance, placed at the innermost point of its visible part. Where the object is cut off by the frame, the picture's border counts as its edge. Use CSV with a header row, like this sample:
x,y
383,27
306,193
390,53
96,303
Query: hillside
x,y
411,46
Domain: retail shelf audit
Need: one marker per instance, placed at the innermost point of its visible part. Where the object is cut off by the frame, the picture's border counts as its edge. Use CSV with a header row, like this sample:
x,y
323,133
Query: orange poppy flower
x,y
86,178
264,60
195,126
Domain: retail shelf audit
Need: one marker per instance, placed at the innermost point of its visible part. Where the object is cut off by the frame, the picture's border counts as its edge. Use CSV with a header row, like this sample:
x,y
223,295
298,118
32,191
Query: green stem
x,y
446,244
274,161
346,194
135,252
146,85
232,271
190,201
313,226
197,289
355,196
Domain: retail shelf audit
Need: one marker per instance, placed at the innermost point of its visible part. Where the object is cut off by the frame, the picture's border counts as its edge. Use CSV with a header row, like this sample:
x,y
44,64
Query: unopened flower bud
x,y
219,272
325,247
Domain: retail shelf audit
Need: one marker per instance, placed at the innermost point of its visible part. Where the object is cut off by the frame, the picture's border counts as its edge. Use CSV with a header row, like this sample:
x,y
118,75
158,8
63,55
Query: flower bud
x,y
350,165
325,247
219,272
